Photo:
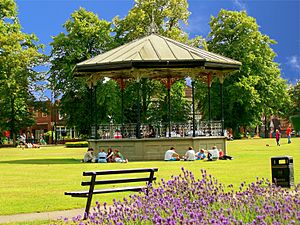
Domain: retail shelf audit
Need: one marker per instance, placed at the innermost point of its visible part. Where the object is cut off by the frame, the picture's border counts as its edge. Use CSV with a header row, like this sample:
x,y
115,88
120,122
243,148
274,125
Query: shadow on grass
x,y
42,161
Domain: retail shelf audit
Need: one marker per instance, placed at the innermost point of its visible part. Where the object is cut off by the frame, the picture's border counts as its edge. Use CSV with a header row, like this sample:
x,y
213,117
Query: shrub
x,y
185,200
296,122
77,144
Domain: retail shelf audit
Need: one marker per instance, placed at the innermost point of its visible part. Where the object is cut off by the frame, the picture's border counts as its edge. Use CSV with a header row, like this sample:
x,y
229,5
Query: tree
x,y
165,15
19,54
86,36
294,93
294,112
257,88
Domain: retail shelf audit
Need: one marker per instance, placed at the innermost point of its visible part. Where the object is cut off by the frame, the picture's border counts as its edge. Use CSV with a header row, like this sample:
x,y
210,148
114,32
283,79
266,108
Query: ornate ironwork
x,y
159,130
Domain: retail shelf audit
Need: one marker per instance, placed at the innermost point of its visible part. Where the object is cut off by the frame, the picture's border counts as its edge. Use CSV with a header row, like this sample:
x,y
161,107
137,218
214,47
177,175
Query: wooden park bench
x,y
95,180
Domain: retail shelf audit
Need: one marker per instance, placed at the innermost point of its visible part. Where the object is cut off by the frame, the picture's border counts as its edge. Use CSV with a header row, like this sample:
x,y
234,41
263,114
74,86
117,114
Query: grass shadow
x,y
42,161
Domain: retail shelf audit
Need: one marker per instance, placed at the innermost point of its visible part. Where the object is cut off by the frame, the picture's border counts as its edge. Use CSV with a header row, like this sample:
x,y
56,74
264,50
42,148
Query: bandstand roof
x,y
155,56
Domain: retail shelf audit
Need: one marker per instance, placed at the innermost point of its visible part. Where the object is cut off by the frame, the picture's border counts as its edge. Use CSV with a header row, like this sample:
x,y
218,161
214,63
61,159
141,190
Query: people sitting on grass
x,y
89,156
190,154
118,157
223,156
172,155
102,156
27,145
110,155
200,155
213,154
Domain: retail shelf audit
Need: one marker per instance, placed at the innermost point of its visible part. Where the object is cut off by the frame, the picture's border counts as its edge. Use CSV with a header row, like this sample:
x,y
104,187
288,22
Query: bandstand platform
x,y
155,148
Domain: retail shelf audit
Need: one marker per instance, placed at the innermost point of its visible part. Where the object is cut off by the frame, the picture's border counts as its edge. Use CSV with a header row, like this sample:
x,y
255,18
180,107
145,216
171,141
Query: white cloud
x,y
240,4
294,62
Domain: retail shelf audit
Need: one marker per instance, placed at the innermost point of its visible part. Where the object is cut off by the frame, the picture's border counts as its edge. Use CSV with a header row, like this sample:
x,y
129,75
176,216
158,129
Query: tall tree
x,y
19,54
257,88
86,36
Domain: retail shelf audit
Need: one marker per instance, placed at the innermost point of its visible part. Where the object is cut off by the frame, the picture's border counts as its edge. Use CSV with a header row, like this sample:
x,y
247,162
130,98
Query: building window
x,y
44,114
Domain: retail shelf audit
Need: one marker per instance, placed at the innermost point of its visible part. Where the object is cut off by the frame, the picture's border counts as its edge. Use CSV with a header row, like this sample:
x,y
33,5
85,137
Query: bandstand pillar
x,y
209,82
193,105
221,79
138,122
93,117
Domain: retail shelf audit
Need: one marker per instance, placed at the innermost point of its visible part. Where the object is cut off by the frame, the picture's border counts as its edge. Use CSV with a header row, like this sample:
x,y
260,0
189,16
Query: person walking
x,y
289,134
277,135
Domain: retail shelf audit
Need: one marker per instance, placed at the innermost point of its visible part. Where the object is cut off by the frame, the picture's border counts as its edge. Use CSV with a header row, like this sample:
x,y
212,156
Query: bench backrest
x,y
94,175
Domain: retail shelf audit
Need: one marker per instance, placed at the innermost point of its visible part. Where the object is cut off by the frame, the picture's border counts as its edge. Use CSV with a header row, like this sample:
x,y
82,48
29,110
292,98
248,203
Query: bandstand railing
x,y
159,130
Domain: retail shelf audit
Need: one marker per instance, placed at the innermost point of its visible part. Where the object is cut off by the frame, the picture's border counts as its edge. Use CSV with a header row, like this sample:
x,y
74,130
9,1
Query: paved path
x,y
41,216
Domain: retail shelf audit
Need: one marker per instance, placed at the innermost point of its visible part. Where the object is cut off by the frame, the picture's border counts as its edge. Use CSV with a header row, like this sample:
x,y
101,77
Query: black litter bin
x,y
282,171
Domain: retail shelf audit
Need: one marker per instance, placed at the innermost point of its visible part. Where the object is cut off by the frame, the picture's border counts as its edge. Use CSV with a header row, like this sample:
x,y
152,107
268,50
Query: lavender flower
x,y
185,200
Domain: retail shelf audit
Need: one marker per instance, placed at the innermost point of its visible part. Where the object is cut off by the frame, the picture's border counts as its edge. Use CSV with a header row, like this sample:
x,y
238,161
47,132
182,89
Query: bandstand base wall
x,y
155,148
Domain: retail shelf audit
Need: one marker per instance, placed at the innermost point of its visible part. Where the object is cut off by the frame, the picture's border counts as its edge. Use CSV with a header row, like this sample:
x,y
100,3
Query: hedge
x,y
296,122
77,144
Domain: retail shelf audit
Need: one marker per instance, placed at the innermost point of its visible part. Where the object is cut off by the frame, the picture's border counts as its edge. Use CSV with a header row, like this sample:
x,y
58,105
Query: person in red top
x,y
289,133
223,156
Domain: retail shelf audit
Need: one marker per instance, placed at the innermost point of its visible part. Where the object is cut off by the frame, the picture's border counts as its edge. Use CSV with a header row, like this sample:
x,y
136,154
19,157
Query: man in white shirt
x,y
213,154
190,154
171,155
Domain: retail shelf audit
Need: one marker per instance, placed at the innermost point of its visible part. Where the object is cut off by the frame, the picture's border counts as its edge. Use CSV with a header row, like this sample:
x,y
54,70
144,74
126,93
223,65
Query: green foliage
x,y
294,93
296,122
257,88
86,36
180,107
19,53
167,17
77,144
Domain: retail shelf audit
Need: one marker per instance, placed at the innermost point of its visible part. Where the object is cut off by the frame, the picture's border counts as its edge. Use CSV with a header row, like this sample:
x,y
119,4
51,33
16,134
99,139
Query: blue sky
x,y
279,19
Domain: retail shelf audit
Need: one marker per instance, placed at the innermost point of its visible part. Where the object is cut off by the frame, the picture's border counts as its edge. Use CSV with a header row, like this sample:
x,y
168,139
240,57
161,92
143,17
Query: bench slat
x,y
108,172
117,181
103,191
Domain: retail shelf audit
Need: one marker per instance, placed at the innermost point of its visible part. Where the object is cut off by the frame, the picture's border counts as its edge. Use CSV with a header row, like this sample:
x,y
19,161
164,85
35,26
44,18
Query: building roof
x,y
154,51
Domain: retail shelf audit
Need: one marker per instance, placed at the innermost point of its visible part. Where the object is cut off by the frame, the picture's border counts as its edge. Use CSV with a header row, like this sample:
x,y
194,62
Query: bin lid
x,y
281,157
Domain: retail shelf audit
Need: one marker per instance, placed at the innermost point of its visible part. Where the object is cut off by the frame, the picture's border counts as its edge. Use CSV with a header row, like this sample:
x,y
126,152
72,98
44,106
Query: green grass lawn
x,y
34,180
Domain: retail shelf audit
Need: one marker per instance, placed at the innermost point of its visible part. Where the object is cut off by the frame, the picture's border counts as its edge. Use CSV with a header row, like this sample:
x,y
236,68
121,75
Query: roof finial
x,y
153,27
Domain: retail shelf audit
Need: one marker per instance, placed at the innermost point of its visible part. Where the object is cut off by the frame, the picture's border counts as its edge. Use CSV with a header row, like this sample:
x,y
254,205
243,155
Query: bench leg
x,y
89,198
87,207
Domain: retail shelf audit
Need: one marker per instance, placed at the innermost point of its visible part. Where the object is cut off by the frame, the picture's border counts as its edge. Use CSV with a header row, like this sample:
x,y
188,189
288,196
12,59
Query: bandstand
x,y
164,59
